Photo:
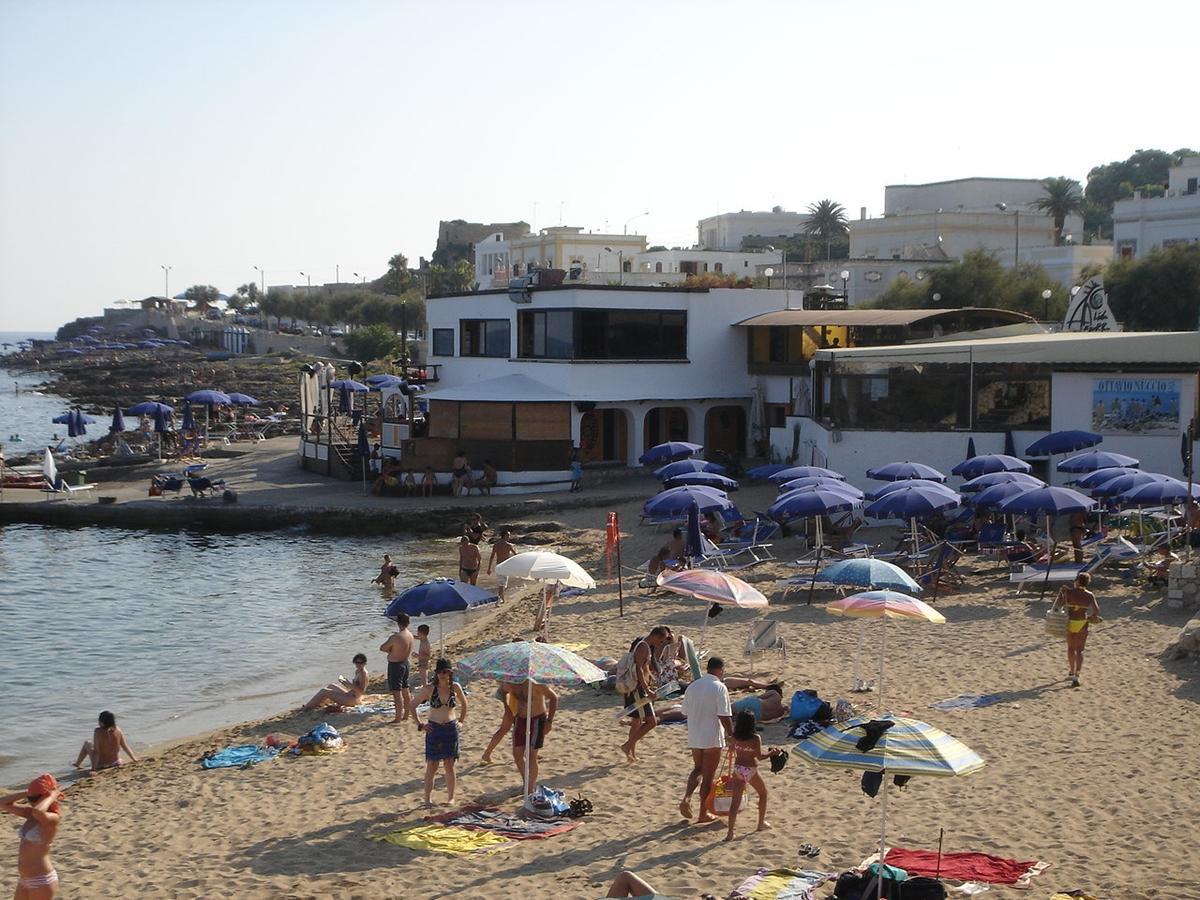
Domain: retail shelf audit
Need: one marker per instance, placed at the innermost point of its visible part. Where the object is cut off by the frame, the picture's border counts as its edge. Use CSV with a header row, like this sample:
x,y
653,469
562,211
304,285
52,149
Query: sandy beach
x,y
1095,781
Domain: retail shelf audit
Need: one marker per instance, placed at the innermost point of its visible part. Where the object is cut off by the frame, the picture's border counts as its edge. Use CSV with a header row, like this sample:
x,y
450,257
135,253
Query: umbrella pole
x,y
915,546
620,580
1049,559
882,834
882,656
528,730
812,585
862,637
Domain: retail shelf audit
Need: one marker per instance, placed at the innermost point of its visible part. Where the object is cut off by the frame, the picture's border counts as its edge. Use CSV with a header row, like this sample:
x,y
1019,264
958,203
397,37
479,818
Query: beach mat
x,y
443,839
966,866
780,884
242,756
967,701
491,819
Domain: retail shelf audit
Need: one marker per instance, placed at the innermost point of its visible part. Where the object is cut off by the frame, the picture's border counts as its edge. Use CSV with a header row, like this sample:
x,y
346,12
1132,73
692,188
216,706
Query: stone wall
x,y
1183,585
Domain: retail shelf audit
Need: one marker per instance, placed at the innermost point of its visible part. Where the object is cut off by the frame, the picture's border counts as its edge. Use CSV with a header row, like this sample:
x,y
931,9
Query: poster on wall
x,y
1136,405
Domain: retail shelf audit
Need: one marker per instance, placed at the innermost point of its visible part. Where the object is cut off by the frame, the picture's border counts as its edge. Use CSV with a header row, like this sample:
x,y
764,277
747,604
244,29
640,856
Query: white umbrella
x,y
48,468
547,567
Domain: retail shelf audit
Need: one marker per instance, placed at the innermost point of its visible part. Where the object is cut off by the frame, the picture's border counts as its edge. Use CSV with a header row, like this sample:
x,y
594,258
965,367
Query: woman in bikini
x,y
447,710
747,748
38,806
1082,610
348,693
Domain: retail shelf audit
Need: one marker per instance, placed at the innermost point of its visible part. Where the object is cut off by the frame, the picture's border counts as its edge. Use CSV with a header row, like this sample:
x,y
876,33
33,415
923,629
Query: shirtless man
x,y
469,560
643,717
104,749
538,717
387,575
501,550
475,528
424,653
398,648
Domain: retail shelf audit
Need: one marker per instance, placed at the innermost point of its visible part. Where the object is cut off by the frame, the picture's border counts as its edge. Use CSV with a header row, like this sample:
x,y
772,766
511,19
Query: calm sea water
x,y
178,633
26,407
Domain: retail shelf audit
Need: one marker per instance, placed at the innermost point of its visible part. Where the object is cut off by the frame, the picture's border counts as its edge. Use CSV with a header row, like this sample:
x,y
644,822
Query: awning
x,y
872,318
523,389
506,389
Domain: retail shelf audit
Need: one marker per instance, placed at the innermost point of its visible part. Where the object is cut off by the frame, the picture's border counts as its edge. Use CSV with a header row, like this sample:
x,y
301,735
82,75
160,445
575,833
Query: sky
x,y
321,137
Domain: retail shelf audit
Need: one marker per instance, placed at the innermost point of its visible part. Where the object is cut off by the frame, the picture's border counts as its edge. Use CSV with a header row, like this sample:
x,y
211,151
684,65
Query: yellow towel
x,y
573,646
443,839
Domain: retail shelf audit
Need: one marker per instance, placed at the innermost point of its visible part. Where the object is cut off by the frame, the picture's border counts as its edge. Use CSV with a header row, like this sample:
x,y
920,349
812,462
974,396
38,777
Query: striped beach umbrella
x,y
712,586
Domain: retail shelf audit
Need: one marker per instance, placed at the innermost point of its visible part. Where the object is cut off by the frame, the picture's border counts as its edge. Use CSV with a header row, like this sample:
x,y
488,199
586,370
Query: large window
x,y
484,337
602,334
443,342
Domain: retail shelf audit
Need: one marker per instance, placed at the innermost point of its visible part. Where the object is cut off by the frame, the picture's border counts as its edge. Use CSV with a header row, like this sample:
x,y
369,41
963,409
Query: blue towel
x,y
243,756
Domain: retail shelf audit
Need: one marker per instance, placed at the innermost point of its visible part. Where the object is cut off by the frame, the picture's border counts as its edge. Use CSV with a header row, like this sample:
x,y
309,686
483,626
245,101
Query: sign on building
x,y
1088,309
1136,405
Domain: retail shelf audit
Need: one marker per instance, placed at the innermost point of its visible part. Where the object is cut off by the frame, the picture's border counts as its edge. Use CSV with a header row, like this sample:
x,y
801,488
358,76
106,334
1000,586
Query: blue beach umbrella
x,y
673,503
870,573
81,423
916,500
892,486
706,479
833,484
354,387
970,447
999,493
1062,442
236,399
693,547
160,421
65,419
982,482
1048,501
989,463
811,503
189,421
383,380
763,472
1123,483
148,407
208,398
118,421
905,471
792,472
1159,493
439,595
670,450
685,466
1097,459
1098,477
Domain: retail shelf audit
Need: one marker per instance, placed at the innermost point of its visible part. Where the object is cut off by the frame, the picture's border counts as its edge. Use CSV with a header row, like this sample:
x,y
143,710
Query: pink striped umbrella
x,y
713,586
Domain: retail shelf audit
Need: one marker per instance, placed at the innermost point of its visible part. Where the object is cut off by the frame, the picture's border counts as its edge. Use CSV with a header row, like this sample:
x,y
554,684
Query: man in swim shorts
x,y
502,549
535,711
399,648
469,560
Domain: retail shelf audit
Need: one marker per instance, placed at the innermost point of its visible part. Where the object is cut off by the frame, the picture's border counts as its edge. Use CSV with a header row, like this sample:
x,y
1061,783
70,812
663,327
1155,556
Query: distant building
x,y
457,238
585,256
866,279
728,231
700,261
1143,223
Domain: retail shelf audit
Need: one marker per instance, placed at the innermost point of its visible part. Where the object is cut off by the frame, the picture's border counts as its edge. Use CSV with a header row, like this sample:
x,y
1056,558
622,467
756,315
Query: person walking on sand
x,y
469,560
643,719
447,711
103,751
386,578
502,549
709,723
1082,610
536,706
748,752
38,806
398,648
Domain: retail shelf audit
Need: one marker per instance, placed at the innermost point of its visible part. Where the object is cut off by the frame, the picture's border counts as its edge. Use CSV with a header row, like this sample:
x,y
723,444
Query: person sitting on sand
x,y
748,752
398,648
469,559
447,711
489,478
534,714
502,549
103,751
387,575
766,707
38,806
428,482
347,693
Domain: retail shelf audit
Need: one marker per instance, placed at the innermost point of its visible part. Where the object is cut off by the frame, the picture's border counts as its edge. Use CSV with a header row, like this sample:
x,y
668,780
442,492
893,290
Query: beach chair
x,y
993,539
732,559
205,487
1034,575
60,488
943,572
764,637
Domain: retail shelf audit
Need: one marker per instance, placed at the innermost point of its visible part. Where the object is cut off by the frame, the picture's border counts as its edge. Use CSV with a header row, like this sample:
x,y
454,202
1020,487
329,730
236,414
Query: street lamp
x,y
845,276
362,279
309,277
1003,207
1046,294
404,336
625,227
262,275
166,281
783,261
620,263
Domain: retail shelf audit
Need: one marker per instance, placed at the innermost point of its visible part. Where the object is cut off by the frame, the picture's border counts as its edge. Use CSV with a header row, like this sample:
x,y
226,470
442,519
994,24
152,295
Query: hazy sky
x,y
215,136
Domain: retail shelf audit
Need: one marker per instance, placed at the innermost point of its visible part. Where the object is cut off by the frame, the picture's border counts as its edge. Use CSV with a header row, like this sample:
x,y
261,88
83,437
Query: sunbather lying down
x,y
628,884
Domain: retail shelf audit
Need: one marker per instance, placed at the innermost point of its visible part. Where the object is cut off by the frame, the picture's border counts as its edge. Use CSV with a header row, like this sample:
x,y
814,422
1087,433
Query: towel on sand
x,y
967,701
373,703
779,884
488,818
966,866
443,839
241,756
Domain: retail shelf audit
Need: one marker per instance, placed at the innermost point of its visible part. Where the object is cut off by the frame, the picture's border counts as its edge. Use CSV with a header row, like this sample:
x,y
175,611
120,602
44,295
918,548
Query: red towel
x,y
960,866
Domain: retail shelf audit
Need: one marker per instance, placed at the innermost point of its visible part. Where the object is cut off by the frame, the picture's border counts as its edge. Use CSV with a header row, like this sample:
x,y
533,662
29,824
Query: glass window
x,y
443,342
483,337
602,334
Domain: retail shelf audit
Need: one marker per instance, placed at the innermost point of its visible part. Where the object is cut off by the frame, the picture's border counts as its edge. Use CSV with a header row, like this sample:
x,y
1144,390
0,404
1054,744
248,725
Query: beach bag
x,y
719,801
804,706
1056,622
862,886
627,680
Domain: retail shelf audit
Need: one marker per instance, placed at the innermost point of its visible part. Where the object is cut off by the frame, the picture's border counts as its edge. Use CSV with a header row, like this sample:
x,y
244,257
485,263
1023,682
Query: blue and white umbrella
x,y
1097,459
685,466
982,482
1048,501
668,451
819,481
1120,484
812,503
673,503
892,487
905,471
1062,442
705,479
437,596
988,463
998,493
792,472
916,500
765,471
1098,477
1160,493
870,573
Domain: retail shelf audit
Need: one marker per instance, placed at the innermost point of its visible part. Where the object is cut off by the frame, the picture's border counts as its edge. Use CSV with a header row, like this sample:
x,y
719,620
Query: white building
x,y
585,256
727,230
1143,223
699,261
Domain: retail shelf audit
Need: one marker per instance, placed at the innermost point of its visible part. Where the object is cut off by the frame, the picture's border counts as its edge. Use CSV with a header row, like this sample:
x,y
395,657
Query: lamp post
x,y
620,263
166,281
770,248
262,275
767,273
362,279
845,276
625,227
1046,294
1003,207
404,335
309,277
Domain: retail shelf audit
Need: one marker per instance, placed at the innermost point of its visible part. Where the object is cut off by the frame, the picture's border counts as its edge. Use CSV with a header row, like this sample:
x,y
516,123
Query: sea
x,y
27,404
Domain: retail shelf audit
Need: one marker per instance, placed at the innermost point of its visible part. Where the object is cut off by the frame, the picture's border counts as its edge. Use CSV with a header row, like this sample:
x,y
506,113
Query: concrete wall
x,y
1142,224
961,193
726,231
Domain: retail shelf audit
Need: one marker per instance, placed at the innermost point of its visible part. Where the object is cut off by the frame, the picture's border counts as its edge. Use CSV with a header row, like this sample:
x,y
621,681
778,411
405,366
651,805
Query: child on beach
x,y
103,751
410,484
398,648
424,652
501,550
748,752
428,482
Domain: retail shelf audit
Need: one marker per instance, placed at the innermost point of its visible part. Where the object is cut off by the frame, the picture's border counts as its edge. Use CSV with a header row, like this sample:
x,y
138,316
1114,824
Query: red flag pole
x,y
615,535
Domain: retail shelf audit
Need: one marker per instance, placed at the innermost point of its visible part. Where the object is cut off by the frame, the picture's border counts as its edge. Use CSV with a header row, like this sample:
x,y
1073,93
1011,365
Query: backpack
x,y
627,680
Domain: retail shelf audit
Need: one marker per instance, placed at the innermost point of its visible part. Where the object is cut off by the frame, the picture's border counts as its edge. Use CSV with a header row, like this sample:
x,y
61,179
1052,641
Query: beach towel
x,y
966,866
373,704
491,819
967,701
802,730
241,756
779,884
443,839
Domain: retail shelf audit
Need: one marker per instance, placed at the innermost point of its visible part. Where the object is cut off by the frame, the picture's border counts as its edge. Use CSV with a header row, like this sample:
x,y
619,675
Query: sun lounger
x,y
62,489
1033,575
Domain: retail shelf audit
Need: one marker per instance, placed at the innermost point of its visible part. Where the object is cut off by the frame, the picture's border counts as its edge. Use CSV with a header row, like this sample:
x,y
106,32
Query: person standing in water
x,y
501,550
103,751
1082,610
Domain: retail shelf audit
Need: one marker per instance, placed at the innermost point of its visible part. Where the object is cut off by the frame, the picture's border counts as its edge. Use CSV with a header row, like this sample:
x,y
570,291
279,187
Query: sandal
x,y
810,851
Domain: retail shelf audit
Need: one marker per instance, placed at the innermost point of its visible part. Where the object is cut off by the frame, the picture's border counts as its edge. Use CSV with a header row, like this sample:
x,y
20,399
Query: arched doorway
x,y
665,423
604,435
725,430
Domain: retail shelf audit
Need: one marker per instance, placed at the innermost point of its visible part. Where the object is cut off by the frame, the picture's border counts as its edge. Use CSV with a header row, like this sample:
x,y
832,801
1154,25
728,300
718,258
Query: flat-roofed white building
x,y
586,256
727,231
1142,224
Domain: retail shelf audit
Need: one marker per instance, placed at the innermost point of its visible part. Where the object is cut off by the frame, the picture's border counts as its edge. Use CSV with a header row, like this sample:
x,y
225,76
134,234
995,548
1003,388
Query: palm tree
x,y
1063,197
827,220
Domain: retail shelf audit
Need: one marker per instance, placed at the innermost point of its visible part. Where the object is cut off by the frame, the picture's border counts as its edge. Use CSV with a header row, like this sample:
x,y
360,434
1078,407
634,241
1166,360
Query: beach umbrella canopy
x,y
80,423
705,479
349,384
189,420
912,501
909,747
674,502
1048,501
208,397
892,486
236,399
344,404
542,565
988,463
871,573
805,503
1159,493
885,605
1097,459
439,595
687,466
981,482
65,419
713,586
118,421
905,471
1121,484
998,493
820,481
791,472
668,451
1098,477
970,447
1062,442
383,380
147,408
763,472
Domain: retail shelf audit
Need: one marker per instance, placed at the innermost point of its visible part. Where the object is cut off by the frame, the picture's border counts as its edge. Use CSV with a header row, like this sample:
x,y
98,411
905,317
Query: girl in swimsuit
x,y
447,710
747,748
348,693
1082,609
38,806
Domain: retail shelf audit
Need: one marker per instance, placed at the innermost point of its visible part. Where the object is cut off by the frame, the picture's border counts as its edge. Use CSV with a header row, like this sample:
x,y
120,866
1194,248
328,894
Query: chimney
x,y
862,214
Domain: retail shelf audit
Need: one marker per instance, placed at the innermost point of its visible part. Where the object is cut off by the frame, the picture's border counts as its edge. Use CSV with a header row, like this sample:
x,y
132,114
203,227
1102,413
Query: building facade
x,y
1142,224
585,256
727,231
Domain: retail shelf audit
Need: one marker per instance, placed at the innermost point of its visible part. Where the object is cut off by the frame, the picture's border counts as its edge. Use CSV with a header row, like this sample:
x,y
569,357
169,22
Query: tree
x,y
1145,170
202,296
979,280
373,342
397,279
717,280
826,220
1157,292
1063,198
274,303
456,280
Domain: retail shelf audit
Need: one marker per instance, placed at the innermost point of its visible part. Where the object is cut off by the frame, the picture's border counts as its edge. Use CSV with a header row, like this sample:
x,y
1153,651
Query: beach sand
x,y
1099,781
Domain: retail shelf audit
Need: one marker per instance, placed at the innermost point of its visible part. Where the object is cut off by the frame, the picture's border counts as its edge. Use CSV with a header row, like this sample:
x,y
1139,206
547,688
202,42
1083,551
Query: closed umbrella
x,y
118,421
674,502
908,747
529,662
988,463
687,466
670,450
345,404
1097,459
693,547
905,471
1010,446
1048,501
160,427
1062,442
970,447
364,450
81,422
980,482
705,479
189,420
791,472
